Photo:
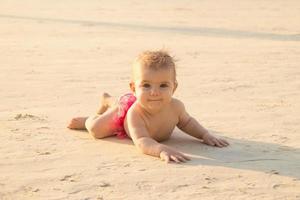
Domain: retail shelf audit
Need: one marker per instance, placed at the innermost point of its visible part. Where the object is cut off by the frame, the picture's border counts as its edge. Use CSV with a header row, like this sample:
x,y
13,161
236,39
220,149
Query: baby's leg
x,y
101,126
106,102
77,123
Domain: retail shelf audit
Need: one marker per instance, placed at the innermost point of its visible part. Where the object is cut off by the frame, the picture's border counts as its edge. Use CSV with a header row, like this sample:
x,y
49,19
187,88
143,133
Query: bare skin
x,y
156,113
151,119
106,102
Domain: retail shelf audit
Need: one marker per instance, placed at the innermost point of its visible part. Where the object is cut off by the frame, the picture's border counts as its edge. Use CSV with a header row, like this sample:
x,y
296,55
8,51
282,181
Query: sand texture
x,y
238,72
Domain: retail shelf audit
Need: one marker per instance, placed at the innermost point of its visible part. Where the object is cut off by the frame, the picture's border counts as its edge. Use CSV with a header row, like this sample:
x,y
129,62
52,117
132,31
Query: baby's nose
x,y
154,91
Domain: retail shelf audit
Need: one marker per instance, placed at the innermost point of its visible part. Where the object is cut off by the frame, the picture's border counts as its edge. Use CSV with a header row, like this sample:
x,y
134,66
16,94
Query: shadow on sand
x,y
241,154
198,31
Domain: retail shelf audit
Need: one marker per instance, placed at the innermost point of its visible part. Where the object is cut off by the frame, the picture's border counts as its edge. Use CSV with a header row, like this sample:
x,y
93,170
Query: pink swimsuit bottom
x,y
124,103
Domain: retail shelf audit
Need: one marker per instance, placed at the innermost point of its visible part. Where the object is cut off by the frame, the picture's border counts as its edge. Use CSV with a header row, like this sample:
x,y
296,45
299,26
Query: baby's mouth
x,y
154,100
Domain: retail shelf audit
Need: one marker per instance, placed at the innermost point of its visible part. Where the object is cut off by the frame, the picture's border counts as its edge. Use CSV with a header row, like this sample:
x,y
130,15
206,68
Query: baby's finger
x,y
212,143
224,142
185,157
209,142
182,159
174,158
217,143
166,158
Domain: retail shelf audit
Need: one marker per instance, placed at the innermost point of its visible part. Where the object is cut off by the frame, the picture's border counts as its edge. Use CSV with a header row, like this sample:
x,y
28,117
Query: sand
x,y
238,73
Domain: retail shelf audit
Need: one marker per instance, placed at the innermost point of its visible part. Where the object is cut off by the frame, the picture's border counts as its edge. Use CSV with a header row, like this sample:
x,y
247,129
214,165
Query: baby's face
x,y
153,88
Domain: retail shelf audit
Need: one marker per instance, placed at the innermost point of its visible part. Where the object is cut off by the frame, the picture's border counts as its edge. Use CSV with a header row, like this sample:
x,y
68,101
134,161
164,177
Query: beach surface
x,y
238,72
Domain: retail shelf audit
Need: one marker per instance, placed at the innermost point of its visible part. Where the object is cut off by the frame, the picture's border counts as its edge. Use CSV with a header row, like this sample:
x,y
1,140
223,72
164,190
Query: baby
x,y
149,114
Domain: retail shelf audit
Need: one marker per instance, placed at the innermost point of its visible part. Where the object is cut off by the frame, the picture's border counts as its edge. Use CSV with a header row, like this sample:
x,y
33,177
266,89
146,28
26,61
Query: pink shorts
x,y
124,103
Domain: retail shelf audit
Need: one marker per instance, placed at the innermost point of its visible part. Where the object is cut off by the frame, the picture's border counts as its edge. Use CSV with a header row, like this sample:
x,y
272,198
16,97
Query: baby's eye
x,y
146,85
164,85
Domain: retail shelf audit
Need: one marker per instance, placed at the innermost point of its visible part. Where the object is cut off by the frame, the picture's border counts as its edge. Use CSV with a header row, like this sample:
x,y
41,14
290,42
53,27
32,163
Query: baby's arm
x,y
192,127
147,145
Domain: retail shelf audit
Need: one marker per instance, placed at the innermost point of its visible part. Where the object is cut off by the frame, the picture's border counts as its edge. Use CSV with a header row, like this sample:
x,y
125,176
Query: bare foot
x,y
106,102
77,123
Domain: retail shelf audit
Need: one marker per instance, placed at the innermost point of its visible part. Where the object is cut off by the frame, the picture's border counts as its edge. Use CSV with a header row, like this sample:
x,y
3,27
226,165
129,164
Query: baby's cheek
x,y
140,101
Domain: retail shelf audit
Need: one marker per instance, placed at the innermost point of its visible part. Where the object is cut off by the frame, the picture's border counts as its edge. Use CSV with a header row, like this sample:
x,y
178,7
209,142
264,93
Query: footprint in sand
x,y
28,116
104,184
43,128
43,153
69,178
30,189
276,186
210,180
179,187
286,148
143,185
273,172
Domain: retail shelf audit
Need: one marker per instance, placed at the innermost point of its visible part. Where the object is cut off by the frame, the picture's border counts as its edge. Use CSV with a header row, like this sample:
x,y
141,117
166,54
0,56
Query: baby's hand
x,y
168,155
213,141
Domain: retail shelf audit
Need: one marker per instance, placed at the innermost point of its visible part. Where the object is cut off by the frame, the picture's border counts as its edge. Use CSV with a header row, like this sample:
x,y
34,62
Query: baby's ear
x,y
175,86
132,86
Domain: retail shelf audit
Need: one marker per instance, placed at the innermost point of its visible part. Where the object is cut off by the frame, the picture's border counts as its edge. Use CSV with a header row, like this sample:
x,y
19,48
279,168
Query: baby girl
x,y
149,114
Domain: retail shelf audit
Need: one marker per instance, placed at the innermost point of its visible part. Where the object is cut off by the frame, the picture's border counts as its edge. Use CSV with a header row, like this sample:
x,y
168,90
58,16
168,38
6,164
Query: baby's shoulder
x,y
133,110
177,105
133,114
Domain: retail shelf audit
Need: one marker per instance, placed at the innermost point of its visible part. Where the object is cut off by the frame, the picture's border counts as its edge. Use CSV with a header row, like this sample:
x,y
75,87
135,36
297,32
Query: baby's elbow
x,y
140,145
187,124
141,150
146,146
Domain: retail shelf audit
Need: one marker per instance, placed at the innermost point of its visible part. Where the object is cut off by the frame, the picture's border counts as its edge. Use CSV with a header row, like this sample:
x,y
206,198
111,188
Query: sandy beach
x,y
238,71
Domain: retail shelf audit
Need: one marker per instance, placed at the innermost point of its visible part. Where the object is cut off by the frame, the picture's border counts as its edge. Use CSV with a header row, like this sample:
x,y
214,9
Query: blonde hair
x,y
155,60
